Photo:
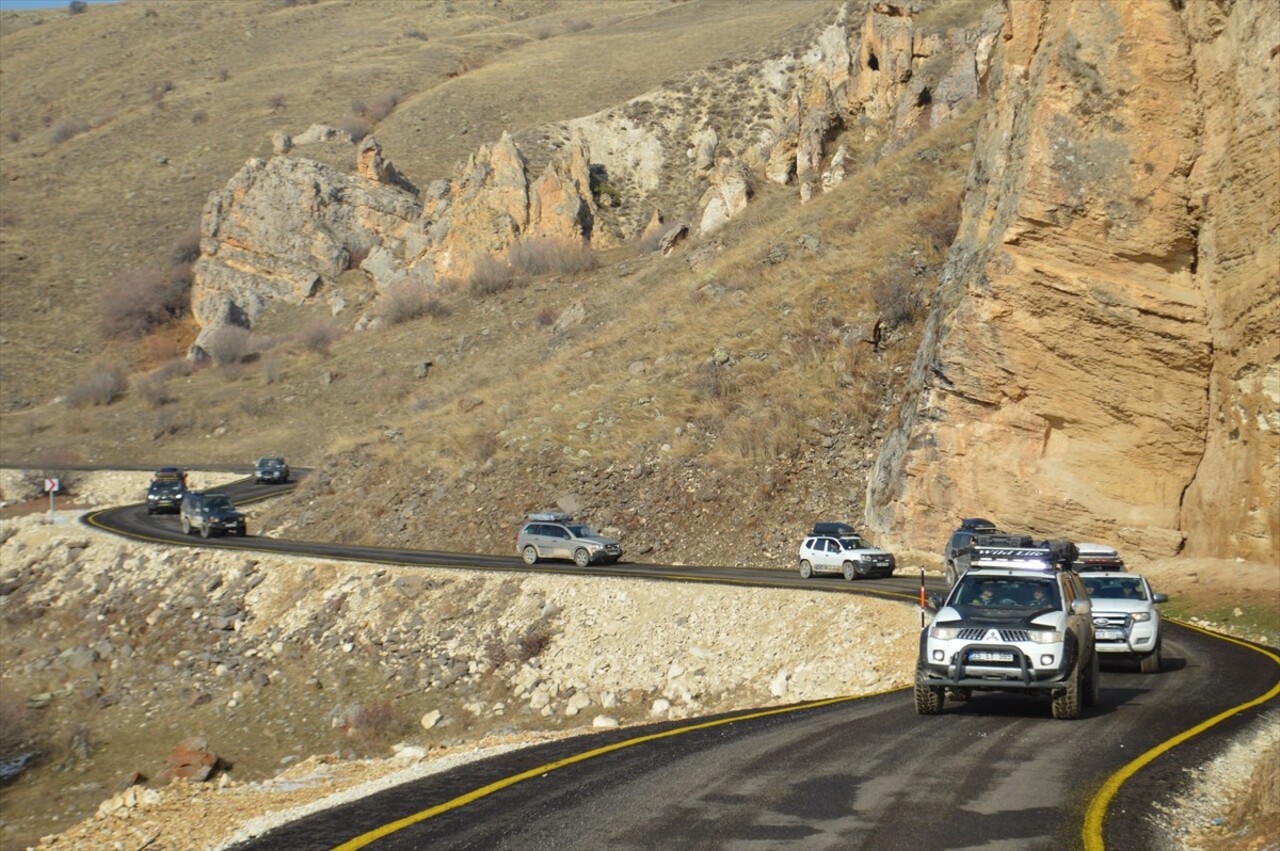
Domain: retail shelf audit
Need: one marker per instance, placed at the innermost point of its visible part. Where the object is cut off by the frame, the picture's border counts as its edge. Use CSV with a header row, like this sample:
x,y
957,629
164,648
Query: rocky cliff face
x,y
1101,360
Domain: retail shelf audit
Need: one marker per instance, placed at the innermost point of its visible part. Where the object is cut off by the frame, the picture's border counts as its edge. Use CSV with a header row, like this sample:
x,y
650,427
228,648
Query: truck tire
x,y
951,574
1066,701
186,525
806,569
581,557
1092,686
929,699
850,572
1150,664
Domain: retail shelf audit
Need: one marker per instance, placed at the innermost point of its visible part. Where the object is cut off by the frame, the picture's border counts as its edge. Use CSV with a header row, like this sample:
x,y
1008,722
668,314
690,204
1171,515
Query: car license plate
x,y
990,656
1111,634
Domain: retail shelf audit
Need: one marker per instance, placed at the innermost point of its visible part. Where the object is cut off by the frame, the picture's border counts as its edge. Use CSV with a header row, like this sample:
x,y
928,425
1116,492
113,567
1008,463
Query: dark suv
x,y
164,495
960,542
273,470
211,513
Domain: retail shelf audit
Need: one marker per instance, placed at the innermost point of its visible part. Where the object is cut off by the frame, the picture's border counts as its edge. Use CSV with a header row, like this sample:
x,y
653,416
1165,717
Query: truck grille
x,y
980,633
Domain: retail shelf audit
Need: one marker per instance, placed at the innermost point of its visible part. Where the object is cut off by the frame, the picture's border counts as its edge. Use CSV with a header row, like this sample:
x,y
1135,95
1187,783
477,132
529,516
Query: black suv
x,y
960,542
272,470
211,513
164,495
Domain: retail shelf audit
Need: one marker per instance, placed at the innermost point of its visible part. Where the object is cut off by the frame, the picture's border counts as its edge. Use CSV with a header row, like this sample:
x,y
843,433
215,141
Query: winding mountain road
x,y
996,772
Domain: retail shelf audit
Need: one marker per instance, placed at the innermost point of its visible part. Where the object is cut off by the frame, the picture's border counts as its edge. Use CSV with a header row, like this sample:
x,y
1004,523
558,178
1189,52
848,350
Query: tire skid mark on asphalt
x,y
538,771
1096,814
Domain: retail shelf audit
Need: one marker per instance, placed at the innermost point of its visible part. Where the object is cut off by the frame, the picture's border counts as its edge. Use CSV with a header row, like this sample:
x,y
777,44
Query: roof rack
x,y
835,530
1021,551
550,517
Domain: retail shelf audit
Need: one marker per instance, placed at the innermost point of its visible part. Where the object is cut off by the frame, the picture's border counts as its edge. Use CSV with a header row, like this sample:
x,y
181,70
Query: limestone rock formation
x,y
1098,360
283,226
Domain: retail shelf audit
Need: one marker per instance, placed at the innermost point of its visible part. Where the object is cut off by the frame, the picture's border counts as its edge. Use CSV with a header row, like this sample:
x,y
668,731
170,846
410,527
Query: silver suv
x,y
1017,620
550,534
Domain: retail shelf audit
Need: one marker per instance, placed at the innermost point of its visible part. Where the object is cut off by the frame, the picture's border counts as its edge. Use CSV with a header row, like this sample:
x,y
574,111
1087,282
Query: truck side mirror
x,y
932,602
1160,598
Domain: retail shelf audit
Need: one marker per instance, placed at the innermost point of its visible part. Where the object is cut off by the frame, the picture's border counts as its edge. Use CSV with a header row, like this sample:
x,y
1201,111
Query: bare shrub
x,y
390,388
318,336
16,721
52,464
199,117
533,642
541,256
416,34
179,367
713,380
356,126
373,722
941,224
277,102
223,75
153,389
484,445
542,33
1261,801
489,275
272,370
160,348
577,25
228,345
186,246
77,7
101,384
546,317
404,300
383,105
168,422
897,301
12,135
136,301
66,129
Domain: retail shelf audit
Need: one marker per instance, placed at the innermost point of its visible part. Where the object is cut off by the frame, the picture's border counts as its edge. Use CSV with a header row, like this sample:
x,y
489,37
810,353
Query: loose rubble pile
x,y
137,663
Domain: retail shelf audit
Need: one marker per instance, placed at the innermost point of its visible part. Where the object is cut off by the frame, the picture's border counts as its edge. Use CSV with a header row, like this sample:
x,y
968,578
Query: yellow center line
x,y
1097,812
476,794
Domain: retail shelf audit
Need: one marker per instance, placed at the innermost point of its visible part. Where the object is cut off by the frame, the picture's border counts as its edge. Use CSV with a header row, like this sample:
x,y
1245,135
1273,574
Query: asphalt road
x,y
994,773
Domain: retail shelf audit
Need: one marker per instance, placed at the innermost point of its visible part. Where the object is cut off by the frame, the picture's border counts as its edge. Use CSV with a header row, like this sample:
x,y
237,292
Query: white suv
x,y
1125,617
1016,621
835,548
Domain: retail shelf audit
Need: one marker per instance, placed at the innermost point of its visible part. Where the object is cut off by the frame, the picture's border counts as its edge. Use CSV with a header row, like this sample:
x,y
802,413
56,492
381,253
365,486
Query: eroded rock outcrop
x,y
1096,363
283,226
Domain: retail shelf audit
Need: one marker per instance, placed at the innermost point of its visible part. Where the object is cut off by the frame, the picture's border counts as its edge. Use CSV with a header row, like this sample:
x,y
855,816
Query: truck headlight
x,y
1138,617
1046,636
944,633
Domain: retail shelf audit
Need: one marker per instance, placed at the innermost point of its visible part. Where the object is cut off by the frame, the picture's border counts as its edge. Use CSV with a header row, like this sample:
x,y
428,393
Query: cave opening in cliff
x,y
872,62
924,98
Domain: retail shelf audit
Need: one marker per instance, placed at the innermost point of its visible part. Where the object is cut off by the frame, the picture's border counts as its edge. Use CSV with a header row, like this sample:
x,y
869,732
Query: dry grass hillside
x,y
736,379
117,123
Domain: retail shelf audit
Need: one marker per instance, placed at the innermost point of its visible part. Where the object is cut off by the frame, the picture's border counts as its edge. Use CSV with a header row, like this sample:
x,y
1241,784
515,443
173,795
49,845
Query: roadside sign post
x,y
922,599
52,486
